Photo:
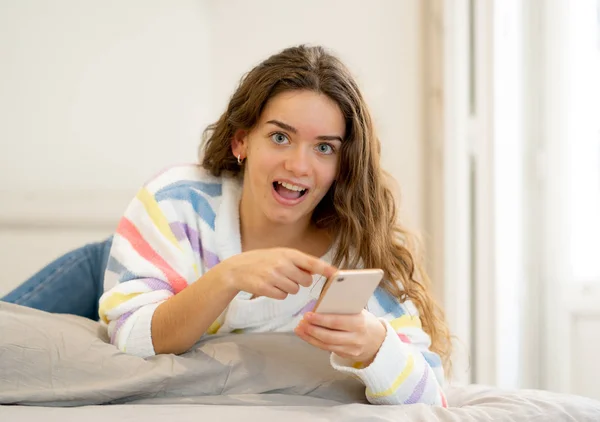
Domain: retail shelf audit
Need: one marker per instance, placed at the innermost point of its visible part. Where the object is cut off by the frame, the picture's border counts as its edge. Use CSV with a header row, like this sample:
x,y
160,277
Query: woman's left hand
x,y
355,337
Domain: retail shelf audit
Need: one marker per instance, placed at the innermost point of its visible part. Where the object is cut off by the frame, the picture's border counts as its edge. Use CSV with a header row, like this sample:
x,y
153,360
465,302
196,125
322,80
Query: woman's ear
x,y
239,143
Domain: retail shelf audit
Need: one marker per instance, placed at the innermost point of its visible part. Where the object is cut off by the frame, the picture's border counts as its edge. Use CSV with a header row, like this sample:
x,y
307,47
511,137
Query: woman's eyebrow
x,y
283,126
292,129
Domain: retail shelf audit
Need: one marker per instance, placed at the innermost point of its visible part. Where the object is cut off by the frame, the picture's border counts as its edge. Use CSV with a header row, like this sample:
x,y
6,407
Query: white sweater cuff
x,y
389,362
138,341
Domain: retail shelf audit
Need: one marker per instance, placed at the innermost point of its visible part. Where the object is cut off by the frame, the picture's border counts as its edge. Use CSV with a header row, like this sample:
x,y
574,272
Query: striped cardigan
x,y
185,221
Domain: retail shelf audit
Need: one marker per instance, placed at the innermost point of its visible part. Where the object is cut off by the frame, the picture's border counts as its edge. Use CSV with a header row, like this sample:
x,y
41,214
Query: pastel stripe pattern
x,y
115,266
128,231
397,382
178,227
159,248
183,231
211,189
158,218
197,200
418,391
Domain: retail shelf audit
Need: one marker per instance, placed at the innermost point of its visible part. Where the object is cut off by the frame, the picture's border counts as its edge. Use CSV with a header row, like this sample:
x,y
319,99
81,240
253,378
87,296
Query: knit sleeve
x,y
157,251
404,370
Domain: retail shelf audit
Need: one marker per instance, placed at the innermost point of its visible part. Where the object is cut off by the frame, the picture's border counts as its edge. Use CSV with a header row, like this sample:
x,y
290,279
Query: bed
x,y
62,368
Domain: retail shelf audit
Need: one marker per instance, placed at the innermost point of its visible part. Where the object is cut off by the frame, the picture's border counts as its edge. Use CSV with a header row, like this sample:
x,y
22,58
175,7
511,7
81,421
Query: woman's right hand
x,y
273,273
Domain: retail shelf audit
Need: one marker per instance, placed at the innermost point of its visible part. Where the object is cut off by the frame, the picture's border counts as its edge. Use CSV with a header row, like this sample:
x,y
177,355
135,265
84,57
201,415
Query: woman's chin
x,y
285,217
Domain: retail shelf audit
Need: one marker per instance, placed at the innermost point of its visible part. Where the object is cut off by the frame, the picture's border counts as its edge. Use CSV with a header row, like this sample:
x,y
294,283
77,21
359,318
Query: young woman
x,y
289,188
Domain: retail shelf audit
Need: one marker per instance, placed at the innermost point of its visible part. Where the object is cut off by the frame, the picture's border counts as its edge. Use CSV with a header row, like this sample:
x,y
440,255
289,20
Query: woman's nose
x,y
298,161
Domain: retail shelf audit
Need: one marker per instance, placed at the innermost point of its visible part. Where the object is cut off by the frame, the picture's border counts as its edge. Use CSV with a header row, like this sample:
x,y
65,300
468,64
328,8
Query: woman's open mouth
x,y
288,193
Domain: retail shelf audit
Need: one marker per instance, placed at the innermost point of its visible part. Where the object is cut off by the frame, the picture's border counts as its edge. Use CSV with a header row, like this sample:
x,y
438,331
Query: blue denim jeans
x,y
72,284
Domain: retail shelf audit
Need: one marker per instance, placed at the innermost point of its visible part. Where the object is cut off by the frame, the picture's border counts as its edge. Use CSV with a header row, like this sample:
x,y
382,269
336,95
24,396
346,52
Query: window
x,y
583,129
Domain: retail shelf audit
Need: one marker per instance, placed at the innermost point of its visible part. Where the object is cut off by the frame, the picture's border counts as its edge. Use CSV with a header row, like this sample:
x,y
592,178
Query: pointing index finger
x,y
313,264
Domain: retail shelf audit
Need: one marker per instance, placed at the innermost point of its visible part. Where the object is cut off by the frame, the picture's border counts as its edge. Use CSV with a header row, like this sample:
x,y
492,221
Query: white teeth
x,y
291,187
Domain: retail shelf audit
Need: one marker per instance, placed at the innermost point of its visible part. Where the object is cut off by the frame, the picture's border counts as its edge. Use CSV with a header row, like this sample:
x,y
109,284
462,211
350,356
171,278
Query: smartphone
x,y
348,291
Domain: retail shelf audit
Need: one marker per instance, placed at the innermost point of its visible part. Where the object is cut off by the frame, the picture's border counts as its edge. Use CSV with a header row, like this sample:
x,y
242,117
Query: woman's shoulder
x,y
185,177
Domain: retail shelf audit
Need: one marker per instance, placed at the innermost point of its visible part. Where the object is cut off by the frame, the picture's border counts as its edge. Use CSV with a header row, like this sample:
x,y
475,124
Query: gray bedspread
x,y
60,367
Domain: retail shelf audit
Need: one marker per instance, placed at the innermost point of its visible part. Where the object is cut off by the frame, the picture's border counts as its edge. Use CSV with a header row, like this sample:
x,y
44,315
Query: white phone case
x,y
348,291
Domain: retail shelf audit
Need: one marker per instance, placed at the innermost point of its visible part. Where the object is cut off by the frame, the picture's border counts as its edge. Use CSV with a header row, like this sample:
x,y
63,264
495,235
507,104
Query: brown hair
x,y
360,207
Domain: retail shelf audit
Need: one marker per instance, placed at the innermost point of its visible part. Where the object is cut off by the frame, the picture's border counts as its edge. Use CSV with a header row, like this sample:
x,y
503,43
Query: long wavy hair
x,y
359,210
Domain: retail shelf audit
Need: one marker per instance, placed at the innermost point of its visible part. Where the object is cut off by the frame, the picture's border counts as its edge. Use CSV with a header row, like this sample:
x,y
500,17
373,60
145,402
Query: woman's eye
x,y
279,138
325,149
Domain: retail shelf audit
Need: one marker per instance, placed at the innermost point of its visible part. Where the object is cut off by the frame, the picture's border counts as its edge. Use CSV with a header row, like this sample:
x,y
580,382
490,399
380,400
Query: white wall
x,y
96,97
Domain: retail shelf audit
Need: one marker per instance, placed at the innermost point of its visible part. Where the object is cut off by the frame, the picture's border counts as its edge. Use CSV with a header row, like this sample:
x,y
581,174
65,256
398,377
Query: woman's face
x,y
292,156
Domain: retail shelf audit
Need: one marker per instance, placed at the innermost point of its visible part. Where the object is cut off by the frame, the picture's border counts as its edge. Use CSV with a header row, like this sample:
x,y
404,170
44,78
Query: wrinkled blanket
x,y
51,365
